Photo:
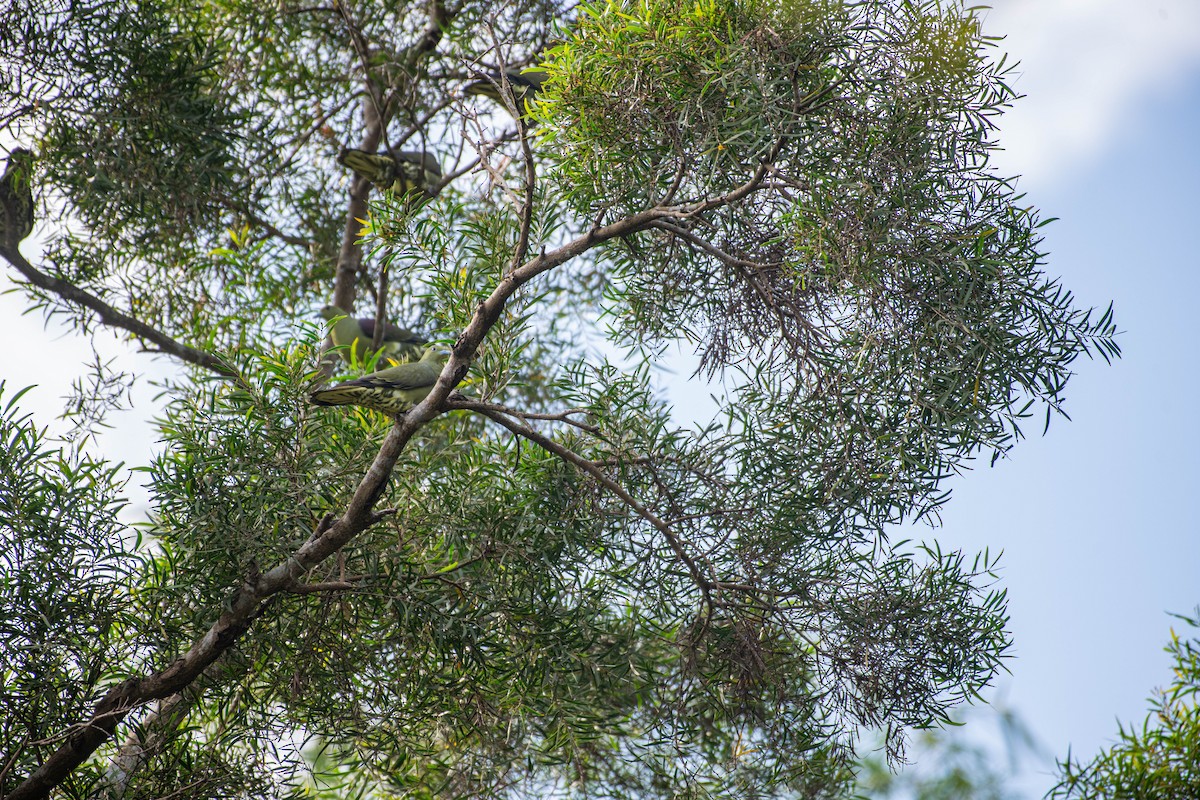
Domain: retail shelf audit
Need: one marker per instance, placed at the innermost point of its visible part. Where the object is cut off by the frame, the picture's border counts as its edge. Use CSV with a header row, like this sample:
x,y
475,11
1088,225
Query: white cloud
x,y
1084,66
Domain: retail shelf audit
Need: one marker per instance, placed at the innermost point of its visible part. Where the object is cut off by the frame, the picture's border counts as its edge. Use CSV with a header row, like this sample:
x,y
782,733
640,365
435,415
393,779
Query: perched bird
x,y
16,198
523,86
400,173
393,390
354,336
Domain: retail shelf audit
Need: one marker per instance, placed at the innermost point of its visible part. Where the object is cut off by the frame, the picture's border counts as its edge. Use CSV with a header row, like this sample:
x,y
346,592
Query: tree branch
x,y
247,603
117,319
252,598
560,416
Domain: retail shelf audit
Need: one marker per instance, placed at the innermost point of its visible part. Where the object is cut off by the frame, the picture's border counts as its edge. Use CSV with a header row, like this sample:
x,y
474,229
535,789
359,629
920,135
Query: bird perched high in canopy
x,y
393,390
403,173
16,199
353,337
522,87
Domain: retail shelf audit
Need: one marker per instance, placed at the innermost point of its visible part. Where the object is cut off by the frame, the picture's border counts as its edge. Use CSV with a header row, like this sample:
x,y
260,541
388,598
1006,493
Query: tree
x,y
1162,760
542,581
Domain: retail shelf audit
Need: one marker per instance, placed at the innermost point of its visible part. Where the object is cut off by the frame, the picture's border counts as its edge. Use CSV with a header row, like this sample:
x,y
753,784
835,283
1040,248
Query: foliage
x,y
1162,760
549,584
65,587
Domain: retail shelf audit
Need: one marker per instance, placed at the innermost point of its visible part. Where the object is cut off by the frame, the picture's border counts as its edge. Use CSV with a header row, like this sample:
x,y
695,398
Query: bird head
x,y
426,160
332,312
438,352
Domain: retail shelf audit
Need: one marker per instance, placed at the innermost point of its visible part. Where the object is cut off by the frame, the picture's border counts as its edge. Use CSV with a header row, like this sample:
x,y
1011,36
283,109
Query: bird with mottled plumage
x,y
353,336
523,86
16,198
407,172
391,391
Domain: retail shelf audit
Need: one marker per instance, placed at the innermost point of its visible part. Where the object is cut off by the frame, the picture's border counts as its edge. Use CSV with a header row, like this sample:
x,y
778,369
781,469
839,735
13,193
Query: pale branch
x,y
484,147
152,731
560,416
710,248
113,318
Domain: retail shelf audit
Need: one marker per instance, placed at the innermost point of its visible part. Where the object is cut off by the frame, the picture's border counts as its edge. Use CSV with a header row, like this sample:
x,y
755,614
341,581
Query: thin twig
x,y
590,468
349,584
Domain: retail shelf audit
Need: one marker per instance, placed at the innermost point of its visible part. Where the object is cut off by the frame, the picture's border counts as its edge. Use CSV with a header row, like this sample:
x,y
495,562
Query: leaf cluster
x,y
68,572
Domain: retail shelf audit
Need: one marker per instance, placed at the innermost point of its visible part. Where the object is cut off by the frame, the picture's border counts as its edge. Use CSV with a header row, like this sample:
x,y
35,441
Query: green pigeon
x,y
16,198
523,86
393,390
354,336
408,171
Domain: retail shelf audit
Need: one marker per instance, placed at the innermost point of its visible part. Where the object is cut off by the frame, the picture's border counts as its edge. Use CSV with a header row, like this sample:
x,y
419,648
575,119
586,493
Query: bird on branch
x,y
391,391
522,87
353,337
16,198
403,173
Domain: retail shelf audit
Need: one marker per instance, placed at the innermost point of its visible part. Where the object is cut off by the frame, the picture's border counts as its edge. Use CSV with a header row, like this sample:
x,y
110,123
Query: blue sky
x,y
1099,520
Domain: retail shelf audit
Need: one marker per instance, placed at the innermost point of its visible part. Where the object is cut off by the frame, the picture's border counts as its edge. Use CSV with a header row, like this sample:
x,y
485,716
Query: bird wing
x,y
403,378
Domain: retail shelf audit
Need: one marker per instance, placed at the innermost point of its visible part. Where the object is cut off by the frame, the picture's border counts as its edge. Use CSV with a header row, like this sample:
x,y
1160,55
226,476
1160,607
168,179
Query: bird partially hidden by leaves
x,y
353,336
16,198
407,173
522,86
393,390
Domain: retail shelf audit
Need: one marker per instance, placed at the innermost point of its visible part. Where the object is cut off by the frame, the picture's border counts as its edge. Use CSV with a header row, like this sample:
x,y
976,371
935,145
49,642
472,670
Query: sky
x,y
1099,520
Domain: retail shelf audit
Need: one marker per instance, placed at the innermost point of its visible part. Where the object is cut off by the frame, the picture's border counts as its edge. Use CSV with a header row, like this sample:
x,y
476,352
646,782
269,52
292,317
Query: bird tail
x,y
369,165
336,396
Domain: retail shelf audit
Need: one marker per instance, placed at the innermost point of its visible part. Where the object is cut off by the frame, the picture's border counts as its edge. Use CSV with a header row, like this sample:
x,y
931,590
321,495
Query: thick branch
x,y
116,319
375,114
247,603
